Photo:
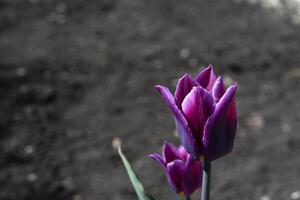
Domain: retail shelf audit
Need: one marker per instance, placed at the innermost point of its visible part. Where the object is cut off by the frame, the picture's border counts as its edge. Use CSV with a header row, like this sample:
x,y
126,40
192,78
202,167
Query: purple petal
x,y
184,86
206,78
192,176
220,128
170,152
174,173
159,159
197,106
218,89
184,131
182,153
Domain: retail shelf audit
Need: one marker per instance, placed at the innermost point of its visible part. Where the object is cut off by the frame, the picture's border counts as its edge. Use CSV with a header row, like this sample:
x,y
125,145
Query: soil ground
x,y
77,75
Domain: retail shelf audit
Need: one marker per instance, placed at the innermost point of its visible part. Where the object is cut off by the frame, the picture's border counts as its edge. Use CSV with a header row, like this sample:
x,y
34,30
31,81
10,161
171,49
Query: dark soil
x,y
76,76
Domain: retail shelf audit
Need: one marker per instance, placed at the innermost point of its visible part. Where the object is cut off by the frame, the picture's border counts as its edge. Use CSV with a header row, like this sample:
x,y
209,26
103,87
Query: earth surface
x,y
77,77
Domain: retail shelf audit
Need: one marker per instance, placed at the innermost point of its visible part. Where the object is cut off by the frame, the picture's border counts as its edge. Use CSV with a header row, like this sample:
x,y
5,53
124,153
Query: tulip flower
x,y
183,172
204,113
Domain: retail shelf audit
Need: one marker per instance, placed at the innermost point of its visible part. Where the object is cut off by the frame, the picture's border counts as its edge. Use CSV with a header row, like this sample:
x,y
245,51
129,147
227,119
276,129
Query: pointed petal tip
x,y
210,67
158,158
152,155
164,91
159,87
167,143
186,75
234,86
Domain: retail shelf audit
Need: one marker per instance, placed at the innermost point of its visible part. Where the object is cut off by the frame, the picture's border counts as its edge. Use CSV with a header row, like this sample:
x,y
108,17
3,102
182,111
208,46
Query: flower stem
x,y
206,180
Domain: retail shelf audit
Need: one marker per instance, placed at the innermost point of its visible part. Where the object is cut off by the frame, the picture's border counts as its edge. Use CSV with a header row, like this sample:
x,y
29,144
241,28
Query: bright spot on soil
x,y
270,3
294,73
77,197
290,7
116,143
265,197
295,195
21,71
255,121
32,177
227,80
286,127
175,133
184,53
68,183
29,149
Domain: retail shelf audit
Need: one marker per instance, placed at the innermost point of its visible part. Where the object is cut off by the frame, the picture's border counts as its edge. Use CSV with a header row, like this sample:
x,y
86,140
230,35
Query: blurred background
x,y
77,77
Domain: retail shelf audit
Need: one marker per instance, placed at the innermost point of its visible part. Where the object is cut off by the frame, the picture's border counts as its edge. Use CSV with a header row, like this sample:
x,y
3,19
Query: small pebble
x,y
255,121
175,133
21,71
29,149
116,143
295,195
296,19
68,183
184,53
77,197
265,197
227,80
285,127
32,177
294,73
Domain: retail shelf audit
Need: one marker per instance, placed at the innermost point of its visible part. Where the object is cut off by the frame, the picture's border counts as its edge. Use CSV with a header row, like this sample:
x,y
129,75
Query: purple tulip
x,y
183,172
204,113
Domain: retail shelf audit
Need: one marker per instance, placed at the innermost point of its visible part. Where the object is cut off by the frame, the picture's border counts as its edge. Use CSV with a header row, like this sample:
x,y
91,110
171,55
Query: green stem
x,y
206,180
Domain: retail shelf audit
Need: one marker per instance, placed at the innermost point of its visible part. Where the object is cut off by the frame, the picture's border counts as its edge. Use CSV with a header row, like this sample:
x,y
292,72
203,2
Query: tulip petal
x,y
218,89
206,78
192,176
220,128
174,173
184,86
170,152
197,106
159,159
183,129
182,153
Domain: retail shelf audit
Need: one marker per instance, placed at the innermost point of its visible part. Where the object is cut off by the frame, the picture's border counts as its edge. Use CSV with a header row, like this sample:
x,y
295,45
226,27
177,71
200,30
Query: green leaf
x,y
138,187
